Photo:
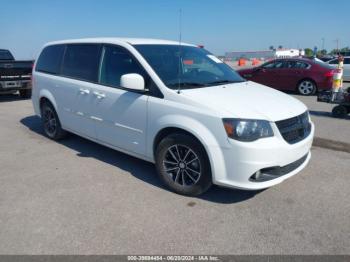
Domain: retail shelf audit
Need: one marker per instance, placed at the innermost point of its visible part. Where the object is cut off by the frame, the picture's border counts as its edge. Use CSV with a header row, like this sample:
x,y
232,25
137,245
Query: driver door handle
x,y
84,91
99,95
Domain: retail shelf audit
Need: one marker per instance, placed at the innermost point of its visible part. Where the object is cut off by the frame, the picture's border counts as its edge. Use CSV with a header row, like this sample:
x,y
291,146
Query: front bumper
x,y
244,159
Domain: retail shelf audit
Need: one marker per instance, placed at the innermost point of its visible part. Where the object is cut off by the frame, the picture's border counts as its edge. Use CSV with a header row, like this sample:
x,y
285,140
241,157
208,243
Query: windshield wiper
x,y
186,84
224,82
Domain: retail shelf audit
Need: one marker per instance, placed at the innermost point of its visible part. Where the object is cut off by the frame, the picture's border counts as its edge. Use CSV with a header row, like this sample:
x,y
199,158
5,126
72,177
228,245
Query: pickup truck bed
x,y
15,75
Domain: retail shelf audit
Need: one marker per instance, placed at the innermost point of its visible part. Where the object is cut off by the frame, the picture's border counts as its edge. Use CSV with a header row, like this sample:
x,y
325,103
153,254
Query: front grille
x,y
295,129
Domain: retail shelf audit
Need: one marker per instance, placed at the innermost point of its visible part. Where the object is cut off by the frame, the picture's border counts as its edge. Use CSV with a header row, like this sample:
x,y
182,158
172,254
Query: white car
x,y
175,105
346,69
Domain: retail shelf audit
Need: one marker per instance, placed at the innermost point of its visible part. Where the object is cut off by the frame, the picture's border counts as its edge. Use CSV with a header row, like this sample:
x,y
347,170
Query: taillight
x,y
329,73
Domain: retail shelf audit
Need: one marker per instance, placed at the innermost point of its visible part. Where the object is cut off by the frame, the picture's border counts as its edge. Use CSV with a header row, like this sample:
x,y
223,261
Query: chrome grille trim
x,y
295,129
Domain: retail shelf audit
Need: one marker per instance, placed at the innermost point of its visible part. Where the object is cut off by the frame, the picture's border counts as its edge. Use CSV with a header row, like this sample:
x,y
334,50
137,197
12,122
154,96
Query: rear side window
x,y
289,64
346,61
50,59
82,61
301,65
275,64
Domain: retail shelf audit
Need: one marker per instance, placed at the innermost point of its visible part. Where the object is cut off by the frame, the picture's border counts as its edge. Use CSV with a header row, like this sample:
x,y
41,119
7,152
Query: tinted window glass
x,y
301,65
275,64
81,62
50,59
5,55
279,64
187,66
334,62
347,61
117,62
269,65
289,64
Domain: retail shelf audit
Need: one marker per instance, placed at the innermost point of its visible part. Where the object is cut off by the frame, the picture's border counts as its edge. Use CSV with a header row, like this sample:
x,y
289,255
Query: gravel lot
x,y
77,197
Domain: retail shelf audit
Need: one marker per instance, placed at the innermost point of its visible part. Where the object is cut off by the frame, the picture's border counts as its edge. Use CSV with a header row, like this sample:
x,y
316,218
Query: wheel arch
x,y
199,132
45,95
163,133
306,78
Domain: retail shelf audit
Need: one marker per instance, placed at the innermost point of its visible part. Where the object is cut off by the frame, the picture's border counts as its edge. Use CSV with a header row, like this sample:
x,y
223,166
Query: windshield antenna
x,y
180,39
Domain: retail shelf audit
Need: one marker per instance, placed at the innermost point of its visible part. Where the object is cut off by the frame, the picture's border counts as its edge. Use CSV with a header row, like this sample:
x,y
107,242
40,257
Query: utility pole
x,y
337,41
322,43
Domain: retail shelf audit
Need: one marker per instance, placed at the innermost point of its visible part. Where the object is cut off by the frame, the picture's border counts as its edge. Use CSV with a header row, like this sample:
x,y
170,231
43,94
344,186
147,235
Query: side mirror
x,y
132,82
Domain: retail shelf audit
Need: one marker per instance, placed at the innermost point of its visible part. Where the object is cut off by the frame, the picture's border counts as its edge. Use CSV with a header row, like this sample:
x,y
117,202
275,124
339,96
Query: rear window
x,y
50,59
81,61
5,55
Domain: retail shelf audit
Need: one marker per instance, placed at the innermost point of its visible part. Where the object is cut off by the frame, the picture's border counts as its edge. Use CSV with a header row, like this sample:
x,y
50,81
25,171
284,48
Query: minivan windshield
x,y
181,66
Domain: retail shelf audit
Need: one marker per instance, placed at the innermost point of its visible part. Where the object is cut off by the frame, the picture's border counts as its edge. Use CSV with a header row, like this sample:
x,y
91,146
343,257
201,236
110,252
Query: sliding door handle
x,y
99,95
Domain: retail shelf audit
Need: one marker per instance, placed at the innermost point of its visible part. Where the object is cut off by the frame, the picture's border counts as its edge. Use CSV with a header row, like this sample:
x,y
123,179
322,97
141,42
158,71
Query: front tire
x,y
51,122
306,87
183,165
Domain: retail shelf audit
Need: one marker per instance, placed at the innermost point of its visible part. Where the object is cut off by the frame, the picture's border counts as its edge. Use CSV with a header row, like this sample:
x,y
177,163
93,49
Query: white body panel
x,y
346,68
130,121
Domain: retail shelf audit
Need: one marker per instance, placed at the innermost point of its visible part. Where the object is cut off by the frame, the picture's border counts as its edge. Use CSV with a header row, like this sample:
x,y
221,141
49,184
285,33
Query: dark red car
x,y
306,76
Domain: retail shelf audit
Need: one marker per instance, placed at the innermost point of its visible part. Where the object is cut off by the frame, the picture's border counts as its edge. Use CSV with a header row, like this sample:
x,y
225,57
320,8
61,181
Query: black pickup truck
x,y
15,75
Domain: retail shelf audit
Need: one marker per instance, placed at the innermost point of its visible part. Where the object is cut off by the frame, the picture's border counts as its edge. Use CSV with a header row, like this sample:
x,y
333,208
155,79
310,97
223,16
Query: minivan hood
x,y
248,100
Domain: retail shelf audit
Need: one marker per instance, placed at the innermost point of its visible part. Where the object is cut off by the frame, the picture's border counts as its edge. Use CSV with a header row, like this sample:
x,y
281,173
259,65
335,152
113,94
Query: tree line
x,y
323,52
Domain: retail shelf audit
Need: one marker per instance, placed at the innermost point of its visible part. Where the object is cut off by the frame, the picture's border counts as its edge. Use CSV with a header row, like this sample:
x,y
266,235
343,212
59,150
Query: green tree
x,y
345,49
321,53
308,52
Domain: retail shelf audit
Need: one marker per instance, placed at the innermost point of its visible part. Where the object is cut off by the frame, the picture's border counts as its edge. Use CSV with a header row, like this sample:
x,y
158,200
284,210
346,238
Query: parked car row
x,y
15,75
346,69
302,75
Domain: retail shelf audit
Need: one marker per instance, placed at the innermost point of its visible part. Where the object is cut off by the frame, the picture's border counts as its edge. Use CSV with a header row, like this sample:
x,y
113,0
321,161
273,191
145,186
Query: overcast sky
x,y
220,25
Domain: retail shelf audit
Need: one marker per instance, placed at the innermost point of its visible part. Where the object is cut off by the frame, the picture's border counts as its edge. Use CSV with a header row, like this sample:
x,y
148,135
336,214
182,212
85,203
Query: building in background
x,y
263,55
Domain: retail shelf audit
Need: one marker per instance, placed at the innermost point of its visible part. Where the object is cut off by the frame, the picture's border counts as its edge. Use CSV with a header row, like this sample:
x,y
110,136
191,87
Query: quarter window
x,y
50,59
82,61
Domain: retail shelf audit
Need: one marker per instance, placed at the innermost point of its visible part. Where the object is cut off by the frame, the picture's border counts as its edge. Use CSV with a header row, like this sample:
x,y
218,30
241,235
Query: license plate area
x,y
12,84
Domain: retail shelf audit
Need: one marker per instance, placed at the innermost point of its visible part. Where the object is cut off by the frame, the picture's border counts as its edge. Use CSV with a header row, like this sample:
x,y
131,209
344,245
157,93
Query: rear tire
x,y
339,111
306,87
25,93
183,165
51,123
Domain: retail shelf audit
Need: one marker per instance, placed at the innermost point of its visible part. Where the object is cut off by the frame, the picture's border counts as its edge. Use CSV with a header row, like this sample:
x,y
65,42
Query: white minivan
x,y
175,105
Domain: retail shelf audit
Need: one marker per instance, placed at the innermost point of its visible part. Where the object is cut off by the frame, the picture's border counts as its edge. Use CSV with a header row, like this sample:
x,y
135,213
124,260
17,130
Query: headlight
x,y
246,129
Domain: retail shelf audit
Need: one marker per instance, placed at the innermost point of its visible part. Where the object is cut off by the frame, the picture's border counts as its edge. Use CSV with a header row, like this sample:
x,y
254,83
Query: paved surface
x,y
77,197
327,126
